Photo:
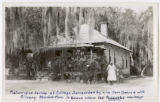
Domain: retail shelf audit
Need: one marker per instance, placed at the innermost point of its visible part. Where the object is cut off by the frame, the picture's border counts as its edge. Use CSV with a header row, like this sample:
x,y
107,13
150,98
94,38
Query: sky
x,y
137,7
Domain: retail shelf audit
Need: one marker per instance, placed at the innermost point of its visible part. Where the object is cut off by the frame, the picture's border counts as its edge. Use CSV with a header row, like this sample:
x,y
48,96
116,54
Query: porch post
x,y
91,54
62,64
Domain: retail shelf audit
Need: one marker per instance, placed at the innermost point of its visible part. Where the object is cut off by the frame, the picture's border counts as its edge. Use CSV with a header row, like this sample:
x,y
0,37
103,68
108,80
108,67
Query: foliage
x,y
35,27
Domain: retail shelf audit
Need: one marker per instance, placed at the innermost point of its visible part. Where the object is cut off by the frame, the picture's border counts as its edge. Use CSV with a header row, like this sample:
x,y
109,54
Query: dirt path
x,y
145,83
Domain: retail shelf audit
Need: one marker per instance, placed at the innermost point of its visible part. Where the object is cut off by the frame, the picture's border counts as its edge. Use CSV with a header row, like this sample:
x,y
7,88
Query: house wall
x,y
119,56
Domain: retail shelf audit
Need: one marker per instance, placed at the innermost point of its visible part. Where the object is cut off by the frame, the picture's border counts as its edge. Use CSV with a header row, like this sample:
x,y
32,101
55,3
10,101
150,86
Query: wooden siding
x,y
121,56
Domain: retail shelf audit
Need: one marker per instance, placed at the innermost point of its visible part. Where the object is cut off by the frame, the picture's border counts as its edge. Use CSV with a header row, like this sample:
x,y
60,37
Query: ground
x,y
145,83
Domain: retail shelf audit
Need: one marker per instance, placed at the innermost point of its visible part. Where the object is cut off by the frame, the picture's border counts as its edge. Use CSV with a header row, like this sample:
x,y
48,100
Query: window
x,y
58,53
122,62
109,56
126,63
115,60
114,57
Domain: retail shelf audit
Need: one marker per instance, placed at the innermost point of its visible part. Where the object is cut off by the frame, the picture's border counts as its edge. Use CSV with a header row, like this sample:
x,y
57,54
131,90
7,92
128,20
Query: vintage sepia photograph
x,y
77,52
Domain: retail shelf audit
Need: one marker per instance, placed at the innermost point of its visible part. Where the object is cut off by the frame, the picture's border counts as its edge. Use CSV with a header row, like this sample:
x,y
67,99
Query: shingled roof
x,y
96,37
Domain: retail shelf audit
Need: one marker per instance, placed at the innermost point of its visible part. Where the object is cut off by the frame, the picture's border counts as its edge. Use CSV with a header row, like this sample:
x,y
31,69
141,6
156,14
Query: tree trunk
x,y
44,25
66,23
91,28
142,72
57,27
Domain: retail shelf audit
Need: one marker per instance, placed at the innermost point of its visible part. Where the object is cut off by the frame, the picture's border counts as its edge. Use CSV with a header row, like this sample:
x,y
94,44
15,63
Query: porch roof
x,y
63,46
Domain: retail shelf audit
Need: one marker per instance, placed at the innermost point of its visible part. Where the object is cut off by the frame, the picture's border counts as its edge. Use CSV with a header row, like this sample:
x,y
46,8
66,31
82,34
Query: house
x,y
90,42
113,51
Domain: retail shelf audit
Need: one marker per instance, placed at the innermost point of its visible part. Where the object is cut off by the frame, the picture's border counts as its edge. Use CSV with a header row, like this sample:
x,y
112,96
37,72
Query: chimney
x,y
104,29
